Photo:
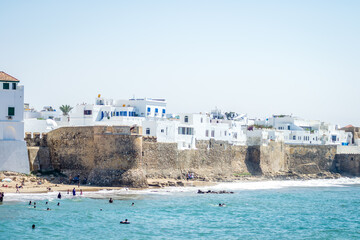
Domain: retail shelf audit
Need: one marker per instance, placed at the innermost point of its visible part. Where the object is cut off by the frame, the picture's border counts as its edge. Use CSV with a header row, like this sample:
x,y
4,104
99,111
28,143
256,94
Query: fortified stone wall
x,y
105,155
348,164
211,160
304,159
120,156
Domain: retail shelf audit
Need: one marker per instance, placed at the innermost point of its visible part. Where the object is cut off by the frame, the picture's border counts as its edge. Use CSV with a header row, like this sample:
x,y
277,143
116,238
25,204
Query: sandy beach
x,y
33,184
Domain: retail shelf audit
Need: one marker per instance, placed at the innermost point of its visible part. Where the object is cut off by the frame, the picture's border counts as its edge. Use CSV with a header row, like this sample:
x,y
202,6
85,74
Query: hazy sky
x,y
256,57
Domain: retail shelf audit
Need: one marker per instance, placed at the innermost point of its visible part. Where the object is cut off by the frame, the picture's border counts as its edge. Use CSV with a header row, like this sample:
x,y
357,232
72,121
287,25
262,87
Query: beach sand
x,y
35,184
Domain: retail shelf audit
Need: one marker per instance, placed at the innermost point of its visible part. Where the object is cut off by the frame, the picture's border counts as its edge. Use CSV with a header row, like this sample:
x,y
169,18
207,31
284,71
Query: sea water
x,y
315,209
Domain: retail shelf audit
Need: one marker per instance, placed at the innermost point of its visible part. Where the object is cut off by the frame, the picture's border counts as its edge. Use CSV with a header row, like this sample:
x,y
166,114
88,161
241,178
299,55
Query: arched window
x,y
186,119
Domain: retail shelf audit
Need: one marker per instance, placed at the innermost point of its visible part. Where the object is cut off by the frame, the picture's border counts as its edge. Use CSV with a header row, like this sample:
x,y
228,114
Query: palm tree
x,y
65,109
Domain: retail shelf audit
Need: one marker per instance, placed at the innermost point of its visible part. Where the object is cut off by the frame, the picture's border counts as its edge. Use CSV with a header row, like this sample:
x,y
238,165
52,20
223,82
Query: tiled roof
x,y
6,77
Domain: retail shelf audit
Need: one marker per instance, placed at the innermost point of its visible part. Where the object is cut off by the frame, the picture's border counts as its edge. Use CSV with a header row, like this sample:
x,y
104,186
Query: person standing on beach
x,y
59,195
74,192
17,189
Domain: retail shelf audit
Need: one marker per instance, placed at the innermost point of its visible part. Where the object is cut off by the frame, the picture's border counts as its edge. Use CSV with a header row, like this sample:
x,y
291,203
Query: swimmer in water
x,y
30,203
125,222
58,204
34,206
132,204
220,205
46,203
48,209
111,200
100,209
33,226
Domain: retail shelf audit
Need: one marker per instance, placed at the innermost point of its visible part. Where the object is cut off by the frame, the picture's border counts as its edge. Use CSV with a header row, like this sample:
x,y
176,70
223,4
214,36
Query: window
x,y
123,113
149,109
288,127
207,133
212,133
117,114
162,130
5,85
87,112
333,138
294,137
11,111
148,131
14,86
186,119
225,133
163,111
156,110
185,131
201,120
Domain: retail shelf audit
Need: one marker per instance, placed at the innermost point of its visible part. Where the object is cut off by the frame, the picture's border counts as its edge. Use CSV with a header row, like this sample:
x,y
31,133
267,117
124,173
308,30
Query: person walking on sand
x,y
17,189
74,192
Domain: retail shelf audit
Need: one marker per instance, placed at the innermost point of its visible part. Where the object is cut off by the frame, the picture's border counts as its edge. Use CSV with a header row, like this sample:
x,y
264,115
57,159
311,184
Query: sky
x,y
255,57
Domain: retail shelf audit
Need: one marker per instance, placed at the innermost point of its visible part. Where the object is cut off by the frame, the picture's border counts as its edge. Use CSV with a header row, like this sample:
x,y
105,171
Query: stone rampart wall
x,y
348,164
211,160
120,156
105,155
305,159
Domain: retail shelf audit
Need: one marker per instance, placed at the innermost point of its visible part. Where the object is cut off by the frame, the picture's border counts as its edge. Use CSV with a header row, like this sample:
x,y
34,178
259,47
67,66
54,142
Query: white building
x,y
295,130
13,151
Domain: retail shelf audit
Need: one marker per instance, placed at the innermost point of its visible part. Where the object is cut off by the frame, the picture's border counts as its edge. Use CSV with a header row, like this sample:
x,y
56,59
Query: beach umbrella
x,y
6,180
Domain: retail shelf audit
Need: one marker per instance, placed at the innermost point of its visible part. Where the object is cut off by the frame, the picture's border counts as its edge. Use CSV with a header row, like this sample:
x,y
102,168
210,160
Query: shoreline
x,y
40,184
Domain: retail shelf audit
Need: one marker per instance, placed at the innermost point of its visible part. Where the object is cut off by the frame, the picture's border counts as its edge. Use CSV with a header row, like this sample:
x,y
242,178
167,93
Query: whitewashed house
x,y
13,151
295,130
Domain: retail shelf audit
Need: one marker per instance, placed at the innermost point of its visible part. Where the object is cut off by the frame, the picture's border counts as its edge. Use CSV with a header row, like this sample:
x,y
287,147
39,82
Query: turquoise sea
x,y
315,209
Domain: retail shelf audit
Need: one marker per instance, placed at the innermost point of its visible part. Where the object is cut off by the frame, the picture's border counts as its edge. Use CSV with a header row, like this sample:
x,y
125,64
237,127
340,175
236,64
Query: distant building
x,y
13,151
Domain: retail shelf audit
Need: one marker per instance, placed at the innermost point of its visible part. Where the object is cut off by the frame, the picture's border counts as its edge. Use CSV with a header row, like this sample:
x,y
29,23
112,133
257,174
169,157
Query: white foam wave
x,y
230,186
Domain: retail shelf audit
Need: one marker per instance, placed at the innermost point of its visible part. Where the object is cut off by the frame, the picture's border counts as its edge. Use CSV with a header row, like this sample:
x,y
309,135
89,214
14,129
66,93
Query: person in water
x,y
46,203
48,209
33,226
59,195
30,203
74,192
125,222
132,204
111,200
58,204
34,206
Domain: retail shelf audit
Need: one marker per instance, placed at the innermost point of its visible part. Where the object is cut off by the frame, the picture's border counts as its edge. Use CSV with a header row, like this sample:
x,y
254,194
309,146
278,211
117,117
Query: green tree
x,y
65,109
